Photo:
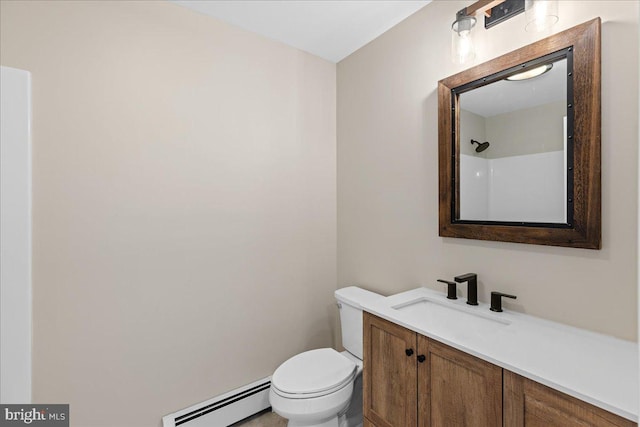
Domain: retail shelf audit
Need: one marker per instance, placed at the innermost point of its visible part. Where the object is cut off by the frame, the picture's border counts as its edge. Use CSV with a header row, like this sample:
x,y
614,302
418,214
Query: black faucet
x,y
496,300
472,286
451,289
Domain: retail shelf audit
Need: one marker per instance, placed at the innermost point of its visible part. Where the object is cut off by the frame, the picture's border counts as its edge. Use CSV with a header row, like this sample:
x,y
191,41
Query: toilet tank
x,y
349,303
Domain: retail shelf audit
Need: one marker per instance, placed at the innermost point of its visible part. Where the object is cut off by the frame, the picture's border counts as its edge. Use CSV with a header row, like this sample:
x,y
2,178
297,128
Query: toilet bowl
x,y
315,388
323,387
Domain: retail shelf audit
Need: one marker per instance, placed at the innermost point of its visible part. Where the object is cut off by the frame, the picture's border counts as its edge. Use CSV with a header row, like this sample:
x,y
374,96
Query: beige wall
x,y
388,174
534,130
184,204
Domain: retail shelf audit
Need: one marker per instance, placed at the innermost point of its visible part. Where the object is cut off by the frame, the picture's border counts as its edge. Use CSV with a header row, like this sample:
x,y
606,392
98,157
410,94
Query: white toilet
x,y
322,387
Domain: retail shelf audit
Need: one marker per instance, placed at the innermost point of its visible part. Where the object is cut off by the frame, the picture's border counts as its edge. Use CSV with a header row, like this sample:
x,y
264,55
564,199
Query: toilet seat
x,y
313,373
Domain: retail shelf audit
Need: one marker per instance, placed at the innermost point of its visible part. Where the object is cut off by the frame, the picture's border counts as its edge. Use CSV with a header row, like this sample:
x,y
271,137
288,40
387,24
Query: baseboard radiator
x,y
224,410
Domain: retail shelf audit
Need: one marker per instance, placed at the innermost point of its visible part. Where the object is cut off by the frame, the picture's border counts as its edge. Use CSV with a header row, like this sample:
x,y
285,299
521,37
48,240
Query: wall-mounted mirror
x,y
519,144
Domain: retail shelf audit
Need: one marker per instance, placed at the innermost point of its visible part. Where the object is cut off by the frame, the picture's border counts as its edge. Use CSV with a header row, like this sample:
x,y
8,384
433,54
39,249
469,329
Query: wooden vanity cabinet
x,y
389,379
456,389
410,380
368,423
530,404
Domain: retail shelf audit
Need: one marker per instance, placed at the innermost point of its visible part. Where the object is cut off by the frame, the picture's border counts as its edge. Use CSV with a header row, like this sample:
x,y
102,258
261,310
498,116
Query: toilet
x,y
323,387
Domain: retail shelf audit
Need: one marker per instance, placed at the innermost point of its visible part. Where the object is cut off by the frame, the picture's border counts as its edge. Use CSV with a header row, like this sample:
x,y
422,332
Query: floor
x,y
263,419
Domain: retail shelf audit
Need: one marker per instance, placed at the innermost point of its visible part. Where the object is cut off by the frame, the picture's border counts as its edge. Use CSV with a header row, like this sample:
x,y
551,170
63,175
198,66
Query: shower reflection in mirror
x,y
518,173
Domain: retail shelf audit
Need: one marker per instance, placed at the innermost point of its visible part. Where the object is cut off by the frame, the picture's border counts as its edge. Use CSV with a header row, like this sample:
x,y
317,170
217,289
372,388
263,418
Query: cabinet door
x,y
368,423
530,404
389,377
456,389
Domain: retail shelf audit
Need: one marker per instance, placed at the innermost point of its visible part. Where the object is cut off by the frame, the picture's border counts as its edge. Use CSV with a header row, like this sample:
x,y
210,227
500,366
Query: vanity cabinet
x,y
410,380
456,389
390,392
530,404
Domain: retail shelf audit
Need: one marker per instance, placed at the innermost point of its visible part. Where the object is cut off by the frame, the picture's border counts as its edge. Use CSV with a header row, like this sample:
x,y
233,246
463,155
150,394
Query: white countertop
x,y
599,369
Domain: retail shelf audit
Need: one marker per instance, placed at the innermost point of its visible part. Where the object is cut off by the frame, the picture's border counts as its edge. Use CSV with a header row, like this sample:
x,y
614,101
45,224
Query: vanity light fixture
x,y
529,74
540,15
462,48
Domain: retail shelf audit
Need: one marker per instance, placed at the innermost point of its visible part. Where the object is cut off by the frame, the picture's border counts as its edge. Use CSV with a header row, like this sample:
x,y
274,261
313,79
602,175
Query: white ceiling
x,y
330,29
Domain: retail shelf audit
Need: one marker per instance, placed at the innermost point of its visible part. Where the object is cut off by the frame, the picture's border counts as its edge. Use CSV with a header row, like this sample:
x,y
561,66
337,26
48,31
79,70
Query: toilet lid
x,y
313,372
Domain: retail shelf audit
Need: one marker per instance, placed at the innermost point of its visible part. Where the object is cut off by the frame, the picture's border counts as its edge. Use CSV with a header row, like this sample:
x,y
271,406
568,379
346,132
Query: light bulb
x,y
540,14
462,47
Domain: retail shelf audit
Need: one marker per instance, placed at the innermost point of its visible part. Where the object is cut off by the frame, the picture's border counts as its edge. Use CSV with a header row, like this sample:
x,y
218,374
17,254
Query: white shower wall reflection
x,y
526,188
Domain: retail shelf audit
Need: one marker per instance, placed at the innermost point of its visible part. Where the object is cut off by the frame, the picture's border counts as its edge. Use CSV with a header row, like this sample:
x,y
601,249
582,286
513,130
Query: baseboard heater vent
x,y
225,409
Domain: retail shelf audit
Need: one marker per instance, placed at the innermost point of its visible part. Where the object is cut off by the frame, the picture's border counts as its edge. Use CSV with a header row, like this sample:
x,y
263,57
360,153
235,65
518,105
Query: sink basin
x,y
442,314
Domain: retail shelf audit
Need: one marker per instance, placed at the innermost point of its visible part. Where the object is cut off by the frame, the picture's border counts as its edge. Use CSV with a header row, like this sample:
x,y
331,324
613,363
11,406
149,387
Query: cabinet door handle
x,y
409,351
421,358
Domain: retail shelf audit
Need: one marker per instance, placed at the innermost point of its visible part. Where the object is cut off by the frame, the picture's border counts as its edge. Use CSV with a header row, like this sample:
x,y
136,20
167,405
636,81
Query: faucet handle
x,y
451,289
496,300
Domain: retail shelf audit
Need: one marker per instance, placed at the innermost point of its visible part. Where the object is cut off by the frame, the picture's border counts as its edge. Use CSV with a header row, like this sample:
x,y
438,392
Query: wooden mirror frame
x,y
585,229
